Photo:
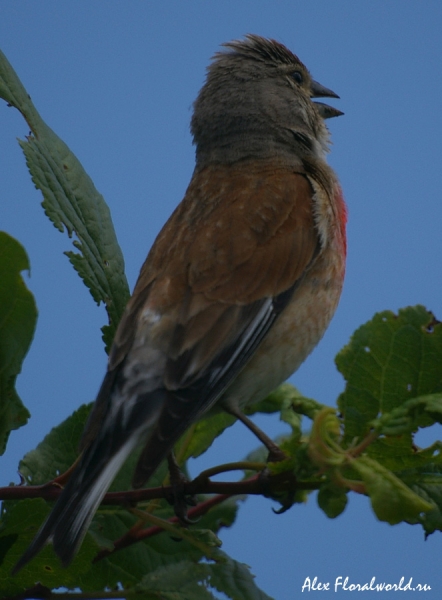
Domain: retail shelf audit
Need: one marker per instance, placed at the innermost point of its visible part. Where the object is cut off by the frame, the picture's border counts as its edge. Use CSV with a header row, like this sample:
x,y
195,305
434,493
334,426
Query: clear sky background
x,y
116,81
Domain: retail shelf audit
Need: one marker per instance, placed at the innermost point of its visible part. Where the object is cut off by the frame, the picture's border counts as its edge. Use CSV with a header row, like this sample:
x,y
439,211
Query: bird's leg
x,y
177,477
177,482
275,453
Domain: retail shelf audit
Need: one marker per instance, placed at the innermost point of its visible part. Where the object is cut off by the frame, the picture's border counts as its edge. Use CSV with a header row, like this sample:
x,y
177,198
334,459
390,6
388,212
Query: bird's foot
x,y
178,498
280,487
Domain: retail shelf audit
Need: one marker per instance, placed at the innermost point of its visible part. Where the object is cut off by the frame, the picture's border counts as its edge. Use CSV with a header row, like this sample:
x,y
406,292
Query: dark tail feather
x,y
69,520
175,418
150,459
119,435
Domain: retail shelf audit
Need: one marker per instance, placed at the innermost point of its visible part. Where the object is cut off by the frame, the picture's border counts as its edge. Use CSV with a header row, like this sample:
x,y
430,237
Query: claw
x,y
287,505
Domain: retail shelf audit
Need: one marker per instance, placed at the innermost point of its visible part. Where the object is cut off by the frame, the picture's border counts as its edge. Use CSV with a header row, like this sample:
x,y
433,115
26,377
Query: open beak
x,y
319,91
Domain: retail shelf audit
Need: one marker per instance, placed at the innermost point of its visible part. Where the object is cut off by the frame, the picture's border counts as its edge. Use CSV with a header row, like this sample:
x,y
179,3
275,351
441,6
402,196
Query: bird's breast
x,y
295,333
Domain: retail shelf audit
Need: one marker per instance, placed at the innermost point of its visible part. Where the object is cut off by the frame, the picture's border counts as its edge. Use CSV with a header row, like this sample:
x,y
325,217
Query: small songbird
x,y
239,286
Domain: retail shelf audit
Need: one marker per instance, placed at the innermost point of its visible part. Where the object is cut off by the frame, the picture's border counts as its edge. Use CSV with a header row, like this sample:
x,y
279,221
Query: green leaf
x,y
426,481
154,556
389,360
57,452
234,579
391,499
72,202
20,522
18,317
324,442
399,453
221,515
274,401
193,581
202,435
422,411
182,581
287,396
332,499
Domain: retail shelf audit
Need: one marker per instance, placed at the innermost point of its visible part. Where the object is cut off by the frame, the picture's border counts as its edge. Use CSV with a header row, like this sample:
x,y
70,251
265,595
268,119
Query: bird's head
x,y
256,102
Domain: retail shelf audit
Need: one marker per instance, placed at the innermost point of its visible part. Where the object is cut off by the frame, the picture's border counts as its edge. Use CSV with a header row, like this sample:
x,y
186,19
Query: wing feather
x,y
247,255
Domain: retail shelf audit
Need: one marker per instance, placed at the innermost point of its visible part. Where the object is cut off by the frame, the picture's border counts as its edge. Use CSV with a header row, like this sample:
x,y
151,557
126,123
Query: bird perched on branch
x,y
239,286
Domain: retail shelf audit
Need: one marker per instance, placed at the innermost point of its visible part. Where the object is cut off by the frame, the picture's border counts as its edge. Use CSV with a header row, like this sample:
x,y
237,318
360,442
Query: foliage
x,y
71,201
393,388
18,316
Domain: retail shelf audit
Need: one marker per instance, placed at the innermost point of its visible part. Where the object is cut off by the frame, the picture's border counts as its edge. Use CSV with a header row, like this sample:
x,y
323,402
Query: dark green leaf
x,y
422,411
205,432
18,317
332,500
389,360
57,452
391,499
72,202
182,581
426,481
22,520
234,579
286,395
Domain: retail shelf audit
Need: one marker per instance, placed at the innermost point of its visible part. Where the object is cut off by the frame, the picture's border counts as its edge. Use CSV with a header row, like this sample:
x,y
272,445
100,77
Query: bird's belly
x,y
291,339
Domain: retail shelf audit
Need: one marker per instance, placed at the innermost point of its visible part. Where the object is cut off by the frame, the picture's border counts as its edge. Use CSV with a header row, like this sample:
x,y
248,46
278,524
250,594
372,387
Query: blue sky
x,y
116,81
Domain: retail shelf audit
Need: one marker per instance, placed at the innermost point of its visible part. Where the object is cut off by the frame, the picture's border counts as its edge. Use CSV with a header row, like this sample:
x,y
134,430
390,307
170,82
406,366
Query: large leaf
x,y
72,202
392,368
18,317
391,499
20,522
389,361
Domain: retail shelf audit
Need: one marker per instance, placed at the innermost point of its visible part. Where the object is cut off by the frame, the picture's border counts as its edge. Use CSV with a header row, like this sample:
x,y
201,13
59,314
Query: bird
x,y
238,287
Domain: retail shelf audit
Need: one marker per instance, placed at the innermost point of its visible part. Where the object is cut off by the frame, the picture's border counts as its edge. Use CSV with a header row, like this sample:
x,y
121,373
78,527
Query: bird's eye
x,y
297,76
